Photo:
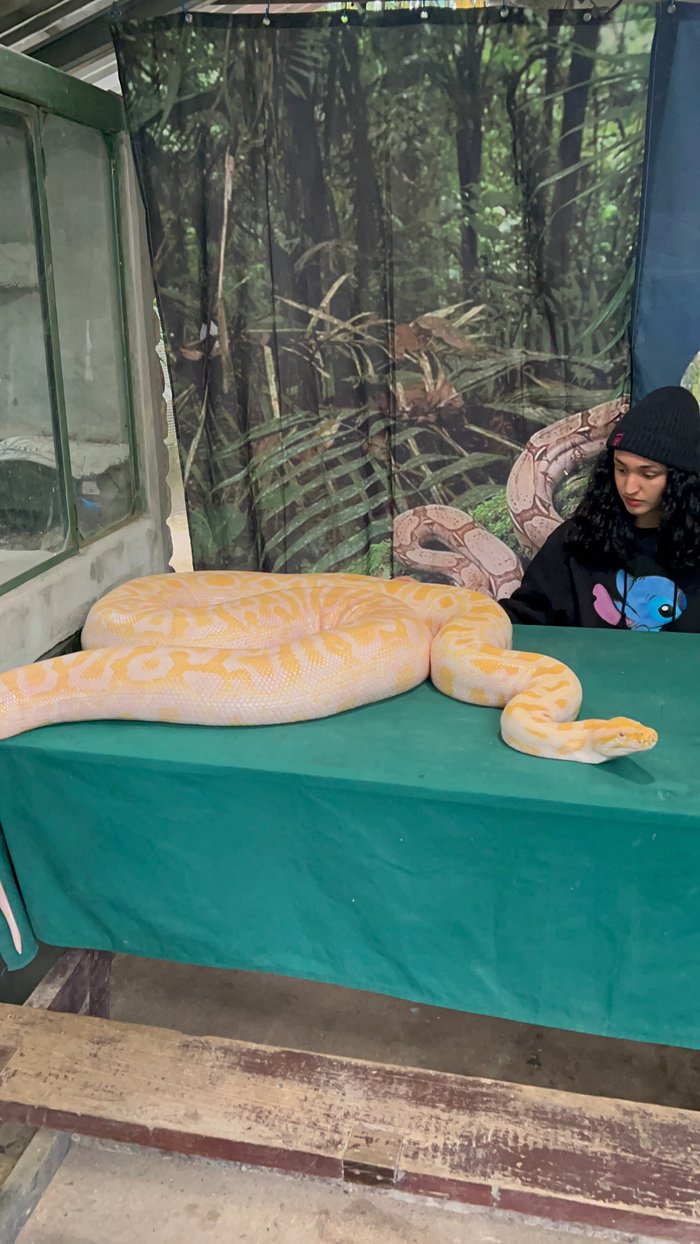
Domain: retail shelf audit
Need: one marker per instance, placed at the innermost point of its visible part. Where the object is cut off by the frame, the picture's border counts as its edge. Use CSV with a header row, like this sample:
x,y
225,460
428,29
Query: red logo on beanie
x,y
617,440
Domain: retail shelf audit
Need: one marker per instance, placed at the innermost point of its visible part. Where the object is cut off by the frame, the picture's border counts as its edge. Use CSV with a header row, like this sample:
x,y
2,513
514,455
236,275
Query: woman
x,y
630,556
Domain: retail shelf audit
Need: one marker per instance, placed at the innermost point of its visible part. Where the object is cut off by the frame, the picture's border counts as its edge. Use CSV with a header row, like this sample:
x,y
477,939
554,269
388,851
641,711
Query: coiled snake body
x,y
239,648
473,557
227,648
235,648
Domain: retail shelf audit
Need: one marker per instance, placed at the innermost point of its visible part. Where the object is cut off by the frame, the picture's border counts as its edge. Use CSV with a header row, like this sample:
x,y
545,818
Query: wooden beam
x,y
27,1182
559,1156
38,18
79,983
93,37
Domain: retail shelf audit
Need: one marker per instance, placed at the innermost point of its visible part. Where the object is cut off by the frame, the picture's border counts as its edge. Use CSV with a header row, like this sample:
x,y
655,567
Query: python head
x,y
620,736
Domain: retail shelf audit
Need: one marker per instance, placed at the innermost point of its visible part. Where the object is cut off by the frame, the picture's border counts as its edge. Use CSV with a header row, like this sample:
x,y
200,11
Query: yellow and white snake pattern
x,y
229,648
226,648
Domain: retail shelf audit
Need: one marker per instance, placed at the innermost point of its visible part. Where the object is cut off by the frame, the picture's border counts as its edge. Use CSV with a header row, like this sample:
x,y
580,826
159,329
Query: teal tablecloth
x,y
400,848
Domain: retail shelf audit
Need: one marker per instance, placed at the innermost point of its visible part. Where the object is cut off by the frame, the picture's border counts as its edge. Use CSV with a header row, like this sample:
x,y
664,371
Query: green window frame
x,y
34,92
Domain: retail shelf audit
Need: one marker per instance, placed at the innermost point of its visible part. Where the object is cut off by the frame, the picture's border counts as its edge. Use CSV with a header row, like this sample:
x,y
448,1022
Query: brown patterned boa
x,y
475,558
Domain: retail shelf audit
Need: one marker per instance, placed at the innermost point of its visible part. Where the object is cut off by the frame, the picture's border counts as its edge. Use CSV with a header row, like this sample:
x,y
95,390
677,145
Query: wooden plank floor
x,y
560,1156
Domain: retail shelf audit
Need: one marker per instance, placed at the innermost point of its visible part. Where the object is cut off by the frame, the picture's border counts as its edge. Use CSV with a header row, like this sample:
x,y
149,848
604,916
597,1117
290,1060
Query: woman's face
x,y
641,485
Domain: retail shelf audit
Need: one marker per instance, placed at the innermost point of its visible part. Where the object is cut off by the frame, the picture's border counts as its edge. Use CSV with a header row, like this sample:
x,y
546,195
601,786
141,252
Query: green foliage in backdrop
x,y
386,252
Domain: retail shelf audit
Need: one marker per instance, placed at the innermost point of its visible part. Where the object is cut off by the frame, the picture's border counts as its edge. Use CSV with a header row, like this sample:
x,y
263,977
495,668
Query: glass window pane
x,y
78,188
32,512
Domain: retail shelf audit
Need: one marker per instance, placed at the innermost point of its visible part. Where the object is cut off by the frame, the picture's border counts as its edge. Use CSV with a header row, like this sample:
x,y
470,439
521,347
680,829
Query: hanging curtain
x,y
666,338
387,250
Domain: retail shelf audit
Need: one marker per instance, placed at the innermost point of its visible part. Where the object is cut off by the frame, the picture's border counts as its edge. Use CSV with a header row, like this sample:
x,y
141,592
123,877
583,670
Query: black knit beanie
x,y
664,427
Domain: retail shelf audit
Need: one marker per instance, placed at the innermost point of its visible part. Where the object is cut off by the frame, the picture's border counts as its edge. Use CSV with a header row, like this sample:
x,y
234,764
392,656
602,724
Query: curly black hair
x,y
601,531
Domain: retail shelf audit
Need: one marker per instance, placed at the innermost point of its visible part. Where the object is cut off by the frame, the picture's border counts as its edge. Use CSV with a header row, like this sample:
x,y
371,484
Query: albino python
x,y
476,558
238,648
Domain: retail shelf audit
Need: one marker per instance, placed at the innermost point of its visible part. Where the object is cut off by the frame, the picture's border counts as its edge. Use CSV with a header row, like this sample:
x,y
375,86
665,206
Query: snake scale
x,y
238,648
471,556
242,648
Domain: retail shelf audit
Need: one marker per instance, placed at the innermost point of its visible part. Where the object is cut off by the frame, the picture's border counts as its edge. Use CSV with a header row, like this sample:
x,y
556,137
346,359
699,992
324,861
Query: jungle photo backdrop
x,y
387,249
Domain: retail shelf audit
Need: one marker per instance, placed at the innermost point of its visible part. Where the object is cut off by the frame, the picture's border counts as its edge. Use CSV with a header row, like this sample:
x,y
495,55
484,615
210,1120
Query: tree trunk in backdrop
x,y
584,42
469,139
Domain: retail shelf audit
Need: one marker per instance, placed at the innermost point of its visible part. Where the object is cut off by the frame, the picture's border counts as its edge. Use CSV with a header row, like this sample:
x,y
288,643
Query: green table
x,y
400,848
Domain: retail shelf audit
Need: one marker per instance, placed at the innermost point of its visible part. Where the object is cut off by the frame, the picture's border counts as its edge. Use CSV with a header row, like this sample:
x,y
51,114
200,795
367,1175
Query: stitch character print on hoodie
x,y
647,603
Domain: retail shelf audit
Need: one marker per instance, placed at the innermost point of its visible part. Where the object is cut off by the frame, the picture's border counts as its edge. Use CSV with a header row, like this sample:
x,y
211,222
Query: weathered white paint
x,y
38,615
46,610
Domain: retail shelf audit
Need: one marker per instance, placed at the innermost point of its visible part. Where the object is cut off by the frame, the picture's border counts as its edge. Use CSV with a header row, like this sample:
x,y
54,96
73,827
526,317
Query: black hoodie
x,y
560,590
